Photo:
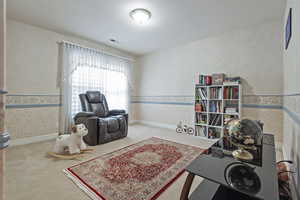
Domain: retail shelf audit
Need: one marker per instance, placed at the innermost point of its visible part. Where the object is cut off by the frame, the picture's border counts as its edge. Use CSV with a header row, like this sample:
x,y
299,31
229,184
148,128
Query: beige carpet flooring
x,y
31,175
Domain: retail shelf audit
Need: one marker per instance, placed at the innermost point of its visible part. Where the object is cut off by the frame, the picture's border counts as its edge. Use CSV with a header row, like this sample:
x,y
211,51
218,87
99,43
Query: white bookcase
x,y
214,104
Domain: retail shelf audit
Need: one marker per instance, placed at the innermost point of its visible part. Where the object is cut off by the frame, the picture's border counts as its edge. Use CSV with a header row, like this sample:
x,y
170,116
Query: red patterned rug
x,y
141,171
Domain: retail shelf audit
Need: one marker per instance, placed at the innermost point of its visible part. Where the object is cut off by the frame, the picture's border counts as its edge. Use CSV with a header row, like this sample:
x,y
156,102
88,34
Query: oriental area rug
x,y
141,171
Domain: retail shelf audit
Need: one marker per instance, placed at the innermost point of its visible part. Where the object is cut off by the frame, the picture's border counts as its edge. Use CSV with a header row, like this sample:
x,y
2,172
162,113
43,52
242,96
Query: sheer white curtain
x,y
86,69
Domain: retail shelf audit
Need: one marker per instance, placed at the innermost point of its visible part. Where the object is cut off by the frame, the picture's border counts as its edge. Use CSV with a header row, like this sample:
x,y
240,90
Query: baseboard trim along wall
x,y
132,122
157,124
43,138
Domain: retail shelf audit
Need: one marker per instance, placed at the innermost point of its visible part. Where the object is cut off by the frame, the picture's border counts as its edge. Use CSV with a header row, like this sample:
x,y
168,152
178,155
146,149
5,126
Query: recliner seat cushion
x,y
112,124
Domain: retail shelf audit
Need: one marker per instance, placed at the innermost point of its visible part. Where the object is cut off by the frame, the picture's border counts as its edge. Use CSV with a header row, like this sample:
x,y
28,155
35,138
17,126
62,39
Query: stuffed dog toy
x,y
73,142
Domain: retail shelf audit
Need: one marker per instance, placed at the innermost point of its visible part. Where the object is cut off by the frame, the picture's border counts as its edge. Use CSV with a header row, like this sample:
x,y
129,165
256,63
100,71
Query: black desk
x,y
214,186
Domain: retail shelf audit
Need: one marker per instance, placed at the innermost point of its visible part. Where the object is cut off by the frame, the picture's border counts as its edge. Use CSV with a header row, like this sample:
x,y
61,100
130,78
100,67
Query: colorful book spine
x,y
231,93
205,80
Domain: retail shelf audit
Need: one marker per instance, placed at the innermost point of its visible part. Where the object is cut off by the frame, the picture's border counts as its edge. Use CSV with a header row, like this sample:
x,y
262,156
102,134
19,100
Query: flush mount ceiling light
x,y
140,15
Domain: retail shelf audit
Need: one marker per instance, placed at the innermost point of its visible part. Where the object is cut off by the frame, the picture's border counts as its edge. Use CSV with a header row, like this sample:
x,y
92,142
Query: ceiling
x,y
173,22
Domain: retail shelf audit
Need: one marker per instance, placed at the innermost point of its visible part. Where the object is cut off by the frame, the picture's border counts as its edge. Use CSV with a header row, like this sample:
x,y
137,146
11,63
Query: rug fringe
x,y
85,189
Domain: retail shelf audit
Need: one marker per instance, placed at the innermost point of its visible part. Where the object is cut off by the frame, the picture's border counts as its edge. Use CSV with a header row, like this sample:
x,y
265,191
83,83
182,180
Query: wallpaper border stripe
x,y
292,94
265,95
262,106
44,100
294,116
191,104
166,103
11,106
33,95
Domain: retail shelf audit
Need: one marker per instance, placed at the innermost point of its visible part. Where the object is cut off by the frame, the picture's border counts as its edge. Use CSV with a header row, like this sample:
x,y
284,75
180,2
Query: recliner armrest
x,y
117,112
83,116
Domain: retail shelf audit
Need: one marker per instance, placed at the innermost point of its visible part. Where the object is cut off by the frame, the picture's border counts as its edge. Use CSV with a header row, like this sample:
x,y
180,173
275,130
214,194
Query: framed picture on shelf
x,y
288,29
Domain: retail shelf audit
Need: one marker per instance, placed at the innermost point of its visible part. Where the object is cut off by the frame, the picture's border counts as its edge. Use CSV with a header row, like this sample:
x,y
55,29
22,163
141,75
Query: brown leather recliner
x,y
104,125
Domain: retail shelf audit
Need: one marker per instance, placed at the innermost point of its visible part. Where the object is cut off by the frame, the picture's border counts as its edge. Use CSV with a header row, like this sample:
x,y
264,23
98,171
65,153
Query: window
x,y
84,69
113,84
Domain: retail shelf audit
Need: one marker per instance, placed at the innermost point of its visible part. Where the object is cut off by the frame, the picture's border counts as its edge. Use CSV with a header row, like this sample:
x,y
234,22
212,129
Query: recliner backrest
x,y
94,101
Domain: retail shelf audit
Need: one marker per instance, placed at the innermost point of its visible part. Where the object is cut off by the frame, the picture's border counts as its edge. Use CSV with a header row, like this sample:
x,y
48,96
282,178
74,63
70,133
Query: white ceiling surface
x,y
173,22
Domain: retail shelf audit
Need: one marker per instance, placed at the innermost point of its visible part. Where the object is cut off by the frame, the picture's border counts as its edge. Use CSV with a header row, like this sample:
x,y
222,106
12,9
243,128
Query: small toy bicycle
x,y
184,129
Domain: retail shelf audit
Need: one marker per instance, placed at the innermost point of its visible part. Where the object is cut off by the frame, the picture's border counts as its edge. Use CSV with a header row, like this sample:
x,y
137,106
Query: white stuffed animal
x,y
73,142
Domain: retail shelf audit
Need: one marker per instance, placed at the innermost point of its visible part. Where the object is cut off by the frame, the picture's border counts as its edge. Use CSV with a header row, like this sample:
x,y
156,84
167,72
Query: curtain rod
x,y
97,50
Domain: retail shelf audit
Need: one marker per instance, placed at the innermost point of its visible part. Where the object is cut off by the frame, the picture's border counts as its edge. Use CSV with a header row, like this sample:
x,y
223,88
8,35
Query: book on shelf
x,y
215,120
201,118
231,110
201,93
215,106
205,80
198,107
232,80
231,92
201,106
218,79
201,131
215,93
229,83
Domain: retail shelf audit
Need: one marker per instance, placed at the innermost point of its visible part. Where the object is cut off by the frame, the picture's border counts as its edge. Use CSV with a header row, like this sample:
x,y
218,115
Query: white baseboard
x,y
42,138
132,122
157,124
35,139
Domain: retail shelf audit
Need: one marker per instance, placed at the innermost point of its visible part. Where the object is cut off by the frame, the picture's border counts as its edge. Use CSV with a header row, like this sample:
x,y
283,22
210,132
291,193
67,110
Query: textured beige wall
x,y
255,54
2,87
272,119
2,61
166,114
32,65
30,122
32,56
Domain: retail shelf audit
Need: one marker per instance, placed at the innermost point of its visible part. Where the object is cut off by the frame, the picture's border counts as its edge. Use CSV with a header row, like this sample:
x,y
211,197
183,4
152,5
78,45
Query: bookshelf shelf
x,y
197,124
231,114
215,126
218,113
200,112
214,106
215,86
